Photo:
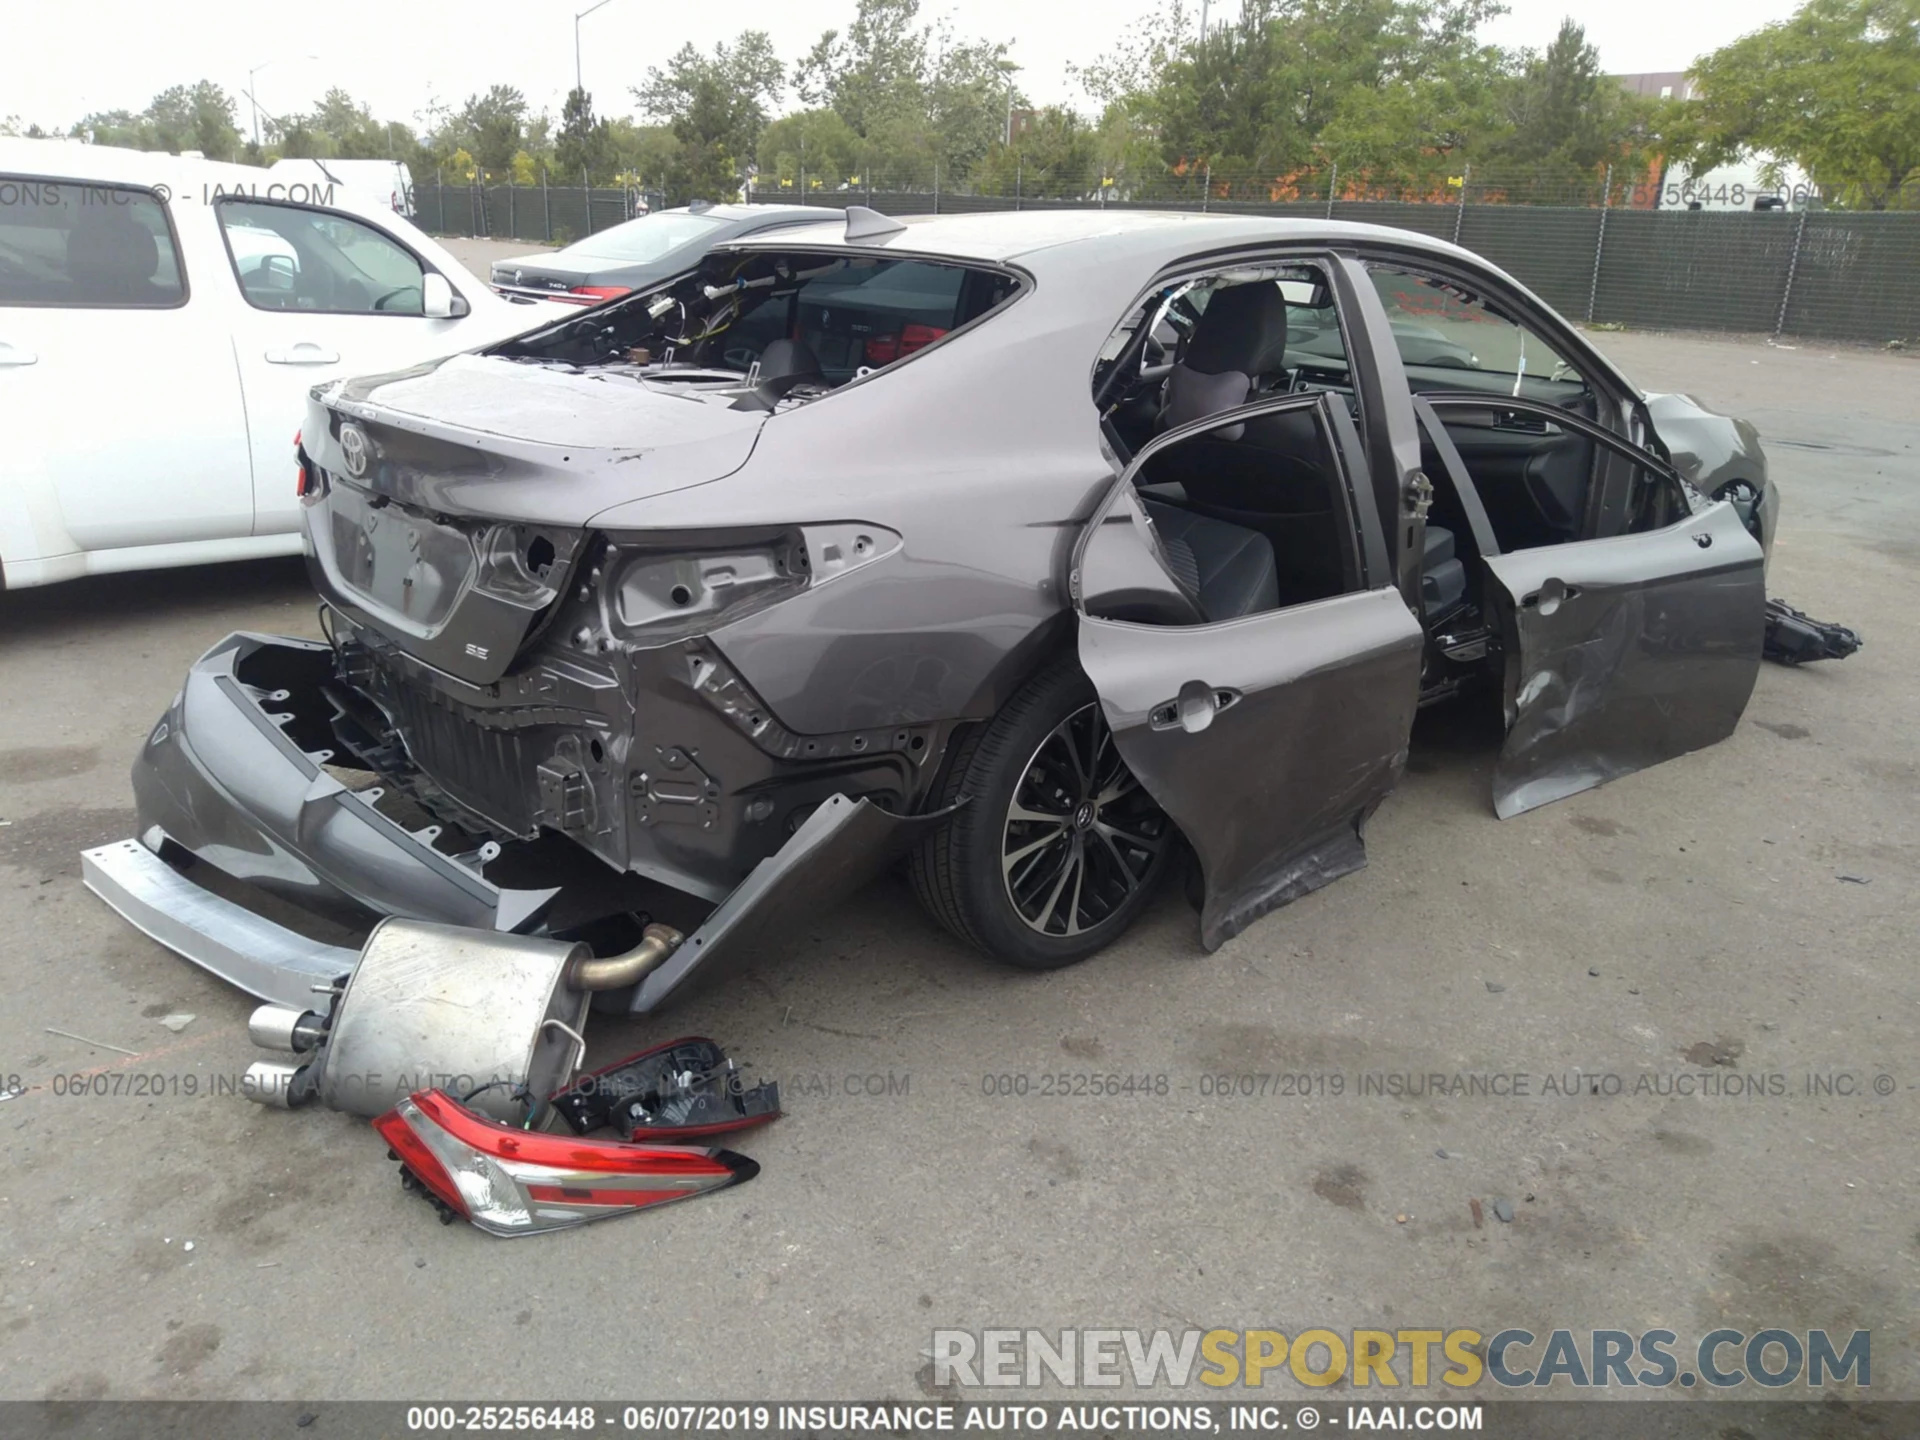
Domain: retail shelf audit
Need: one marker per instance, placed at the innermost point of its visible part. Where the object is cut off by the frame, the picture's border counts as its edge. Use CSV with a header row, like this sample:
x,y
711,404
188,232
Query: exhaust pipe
x,y
280,1084
280,1027
616,972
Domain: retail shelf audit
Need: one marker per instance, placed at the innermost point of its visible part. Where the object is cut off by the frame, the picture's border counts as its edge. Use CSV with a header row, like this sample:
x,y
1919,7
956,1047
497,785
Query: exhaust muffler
x,y
494,1020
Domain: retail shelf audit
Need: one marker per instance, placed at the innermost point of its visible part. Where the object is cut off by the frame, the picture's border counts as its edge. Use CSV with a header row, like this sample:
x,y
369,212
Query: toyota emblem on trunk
x,y
353,448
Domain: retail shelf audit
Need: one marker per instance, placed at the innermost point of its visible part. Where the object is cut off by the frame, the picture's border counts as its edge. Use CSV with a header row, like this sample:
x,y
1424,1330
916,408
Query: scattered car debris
x,y
1855,880
503,1014
510,1181
97,1044
177,1022
1795,638
684,1087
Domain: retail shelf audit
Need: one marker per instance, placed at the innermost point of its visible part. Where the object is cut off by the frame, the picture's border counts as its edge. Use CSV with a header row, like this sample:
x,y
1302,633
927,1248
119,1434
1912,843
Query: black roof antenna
x,y
865,224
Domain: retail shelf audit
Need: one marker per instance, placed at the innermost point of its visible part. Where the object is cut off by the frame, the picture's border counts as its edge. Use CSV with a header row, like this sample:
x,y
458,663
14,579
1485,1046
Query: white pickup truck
x,y
162,320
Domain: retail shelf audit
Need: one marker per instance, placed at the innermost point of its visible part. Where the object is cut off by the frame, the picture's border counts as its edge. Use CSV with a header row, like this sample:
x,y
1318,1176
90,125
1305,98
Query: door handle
x,y
1550,596
1193,709
304,353
14,355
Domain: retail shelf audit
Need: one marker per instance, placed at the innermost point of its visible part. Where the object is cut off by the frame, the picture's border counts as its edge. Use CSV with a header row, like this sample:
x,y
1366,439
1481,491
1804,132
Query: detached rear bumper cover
x,y
220,777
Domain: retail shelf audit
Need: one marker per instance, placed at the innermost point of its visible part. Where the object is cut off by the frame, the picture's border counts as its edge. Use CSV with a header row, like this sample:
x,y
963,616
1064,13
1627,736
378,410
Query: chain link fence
x,y
545,214
1627,253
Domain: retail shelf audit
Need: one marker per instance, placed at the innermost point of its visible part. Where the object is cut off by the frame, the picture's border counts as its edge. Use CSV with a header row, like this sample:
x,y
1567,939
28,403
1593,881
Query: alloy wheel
x,y
1081,835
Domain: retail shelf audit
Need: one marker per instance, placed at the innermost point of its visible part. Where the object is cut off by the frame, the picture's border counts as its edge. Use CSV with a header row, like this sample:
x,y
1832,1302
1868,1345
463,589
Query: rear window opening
x,y
777,326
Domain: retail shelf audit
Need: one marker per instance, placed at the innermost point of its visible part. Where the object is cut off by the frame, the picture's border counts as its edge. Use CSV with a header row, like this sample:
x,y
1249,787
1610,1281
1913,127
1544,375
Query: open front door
x,y
1624,651
1265,705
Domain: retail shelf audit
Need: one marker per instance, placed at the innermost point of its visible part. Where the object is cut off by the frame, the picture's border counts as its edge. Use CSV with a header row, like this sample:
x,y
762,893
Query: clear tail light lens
x,y
519,1182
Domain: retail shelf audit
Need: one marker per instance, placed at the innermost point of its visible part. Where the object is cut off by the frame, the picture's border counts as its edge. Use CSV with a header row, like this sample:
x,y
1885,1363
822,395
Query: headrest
x,y
1244,328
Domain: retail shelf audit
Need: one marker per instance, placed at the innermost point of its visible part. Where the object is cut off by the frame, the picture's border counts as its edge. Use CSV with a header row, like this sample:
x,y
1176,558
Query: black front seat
x,y
1240,338
1227,570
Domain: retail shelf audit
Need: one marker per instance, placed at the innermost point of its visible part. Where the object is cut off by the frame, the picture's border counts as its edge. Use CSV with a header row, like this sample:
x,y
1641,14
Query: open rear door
x,y
1268,737
1625,651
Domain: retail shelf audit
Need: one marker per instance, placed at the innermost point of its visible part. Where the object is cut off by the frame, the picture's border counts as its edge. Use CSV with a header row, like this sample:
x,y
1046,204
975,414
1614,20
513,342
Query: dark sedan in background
x,y
643,252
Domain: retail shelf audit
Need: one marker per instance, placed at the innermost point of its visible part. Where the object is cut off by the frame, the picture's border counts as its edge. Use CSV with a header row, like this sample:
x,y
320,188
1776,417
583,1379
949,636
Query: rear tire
x,y
1058,847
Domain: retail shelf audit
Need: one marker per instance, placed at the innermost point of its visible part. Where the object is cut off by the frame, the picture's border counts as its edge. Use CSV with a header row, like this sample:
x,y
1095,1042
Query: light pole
x,y
255,104
577,84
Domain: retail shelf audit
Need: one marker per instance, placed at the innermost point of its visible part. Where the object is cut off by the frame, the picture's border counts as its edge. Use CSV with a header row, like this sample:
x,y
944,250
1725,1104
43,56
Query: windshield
x,y
790,323
648,238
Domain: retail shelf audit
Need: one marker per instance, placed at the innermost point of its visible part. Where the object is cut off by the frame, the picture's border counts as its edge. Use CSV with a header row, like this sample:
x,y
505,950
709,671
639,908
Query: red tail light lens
x,y
594,294
518,1182
885,349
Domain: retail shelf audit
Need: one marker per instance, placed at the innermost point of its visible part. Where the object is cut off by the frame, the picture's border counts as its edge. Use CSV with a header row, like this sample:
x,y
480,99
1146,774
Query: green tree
x,y
1834,89
493,127
1294,85
1563,122
716,105
584,145
182,117
914,95
646,155
1055,155
816,145
875,74
195,117
342,127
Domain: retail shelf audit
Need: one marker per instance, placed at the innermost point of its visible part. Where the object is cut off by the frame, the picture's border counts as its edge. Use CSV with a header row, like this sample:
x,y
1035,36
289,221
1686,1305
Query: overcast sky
x,y
64,60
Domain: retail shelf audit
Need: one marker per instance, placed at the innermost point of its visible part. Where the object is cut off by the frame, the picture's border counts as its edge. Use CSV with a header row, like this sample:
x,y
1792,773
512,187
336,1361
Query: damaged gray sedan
x,y
1047,551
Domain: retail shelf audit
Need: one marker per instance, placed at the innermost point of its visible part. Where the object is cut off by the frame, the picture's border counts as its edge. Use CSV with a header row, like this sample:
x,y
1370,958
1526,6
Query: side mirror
x,y
437,300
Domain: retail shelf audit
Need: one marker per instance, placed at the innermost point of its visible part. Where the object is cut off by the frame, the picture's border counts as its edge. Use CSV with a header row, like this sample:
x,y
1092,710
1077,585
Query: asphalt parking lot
x,y
1745,914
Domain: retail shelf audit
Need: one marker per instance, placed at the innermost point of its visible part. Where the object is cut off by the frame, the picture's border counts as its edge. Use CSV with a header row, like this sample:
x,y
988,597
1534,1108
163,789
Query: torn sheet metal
x,y
1625,652
836,850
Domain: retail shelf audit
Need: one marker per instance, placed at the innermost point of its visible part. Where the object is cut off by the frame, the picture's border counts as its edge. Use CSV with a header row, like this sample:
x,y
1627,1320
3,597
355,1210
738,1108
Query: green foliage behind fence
x,y
1844,275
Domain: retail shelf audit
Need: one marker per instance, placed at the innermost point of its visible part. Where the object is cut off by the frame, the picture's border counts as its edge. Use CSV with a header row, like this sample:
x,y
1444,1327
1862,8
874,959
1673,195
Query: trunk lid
x,y
458,493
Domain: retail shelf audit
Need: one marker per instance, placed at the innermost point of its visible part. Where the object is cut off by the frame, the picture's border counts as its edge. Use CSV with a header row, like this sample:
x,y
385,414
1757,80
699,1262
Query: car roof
x,y
1121,236
770,214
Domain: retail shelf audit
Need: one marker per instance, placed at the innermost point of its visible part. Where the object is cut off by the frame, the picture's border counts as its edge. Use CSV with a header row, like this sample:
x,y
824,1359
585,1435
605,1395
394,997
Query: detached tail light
x,y
885,349
519,1182
594,294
